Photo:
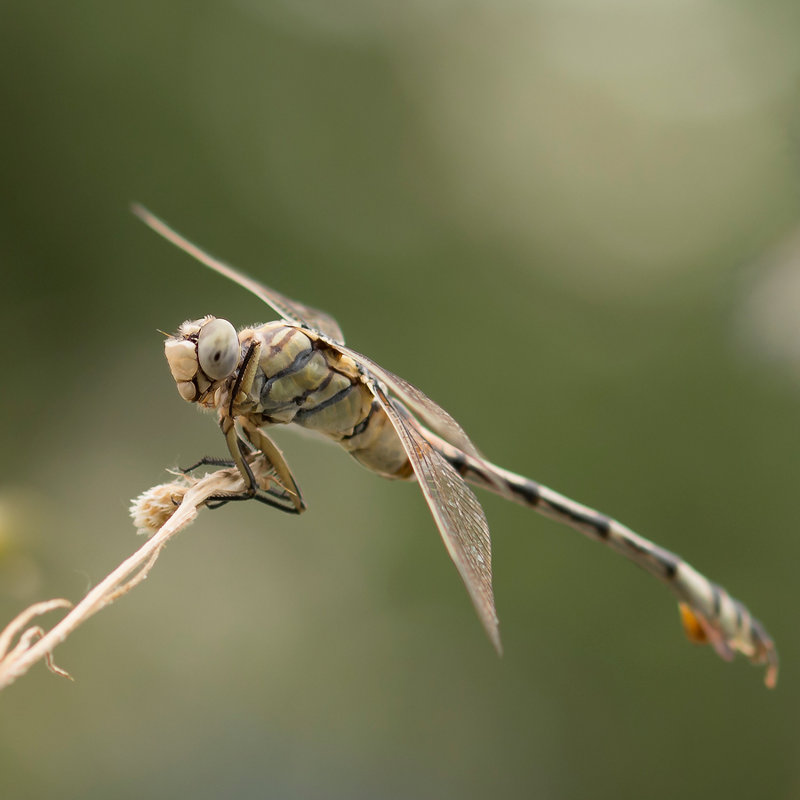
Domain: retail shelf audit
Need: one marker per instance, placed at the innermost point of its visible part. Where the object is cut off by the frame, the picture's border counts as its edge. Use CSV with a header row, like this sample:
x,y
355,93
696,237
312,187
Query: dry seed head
x,y
151,509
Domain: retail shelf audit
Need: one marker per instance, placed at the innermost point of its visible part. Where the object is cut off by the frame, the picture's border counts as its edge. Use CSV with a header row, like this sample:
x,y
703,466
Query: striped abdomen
x,y
708,612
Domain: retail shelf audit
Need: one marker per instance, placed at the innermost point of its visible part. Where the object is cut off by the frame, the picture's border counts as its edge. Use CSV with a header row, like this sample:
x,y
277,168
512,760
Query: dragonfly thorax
x,y
292,375
301,379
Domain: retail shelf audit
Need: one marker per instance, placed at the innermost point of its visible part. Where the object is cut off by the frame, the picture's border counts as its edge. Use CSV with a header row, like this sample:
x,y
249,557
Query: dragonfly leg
x,y
217,501
207,461
270,497
216,461
274,456
286,498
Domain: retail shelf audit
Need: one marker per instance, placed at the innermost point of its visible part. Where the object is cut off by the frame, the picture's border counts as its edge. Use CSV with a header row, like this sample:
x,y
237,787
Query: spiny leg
x,y
256,443
219,500
708,612
270,497
245,446
244,456
207,461
260,445
274,456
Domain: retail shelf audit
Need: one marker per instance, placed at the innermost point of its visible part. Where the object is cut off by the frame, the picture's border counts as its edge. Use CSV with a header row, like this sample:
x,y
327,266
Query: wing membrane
x,y
290,310
431,413
458,516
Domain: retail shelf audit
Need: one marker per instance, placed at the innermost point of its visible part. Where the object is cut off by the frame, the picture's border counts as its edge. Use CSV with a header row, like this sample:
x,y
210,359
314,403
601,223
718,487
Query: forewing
x,y
432,414
458,515
290,310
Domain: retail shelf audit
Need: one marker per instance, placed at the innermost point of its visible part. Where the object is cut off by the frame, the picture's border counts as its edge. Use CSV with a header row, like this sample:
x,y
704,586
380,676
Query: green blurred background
x,y
573,227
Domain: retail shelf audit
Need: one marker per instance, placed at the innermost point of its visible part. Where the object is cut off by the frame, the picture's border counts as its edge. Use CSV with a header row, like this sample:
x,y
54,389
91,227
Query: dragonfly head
x,y
201,354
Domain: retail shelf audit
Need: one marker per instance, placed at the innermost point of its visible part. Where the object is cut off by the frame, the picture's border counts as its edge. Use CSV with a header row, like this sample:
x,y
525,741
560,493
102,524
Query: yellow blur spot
x,y
691,625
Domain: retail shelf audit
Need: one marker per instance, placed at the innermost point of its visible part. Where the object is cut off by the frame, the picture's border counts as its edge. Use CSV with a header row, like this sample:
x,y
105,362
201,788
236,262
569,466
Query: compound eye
x,y
218,349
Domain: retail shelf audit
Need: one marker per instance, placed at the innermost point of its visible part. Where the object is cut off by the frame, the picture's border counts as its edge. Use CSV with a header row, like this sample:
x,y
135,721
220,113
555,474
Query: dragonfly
x,y
298,370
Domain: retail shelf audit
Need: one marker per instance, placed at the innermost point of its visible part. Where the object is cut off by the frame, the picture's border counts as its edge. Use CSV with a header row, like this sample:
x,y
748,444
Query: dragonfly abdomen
x,y
375,444
719,618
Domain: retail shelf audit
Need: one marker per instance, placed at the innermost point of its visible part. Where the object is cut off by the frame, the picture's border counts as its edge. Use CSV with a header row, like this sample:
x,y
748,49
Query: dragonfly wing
x,y
290,310
457,512
432,414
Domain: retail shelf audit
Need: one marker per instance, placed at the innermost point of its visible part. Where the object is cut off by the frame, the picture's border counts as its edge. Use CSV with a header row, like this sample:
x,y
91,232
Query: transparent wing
x,y
432,414
457,512
289,309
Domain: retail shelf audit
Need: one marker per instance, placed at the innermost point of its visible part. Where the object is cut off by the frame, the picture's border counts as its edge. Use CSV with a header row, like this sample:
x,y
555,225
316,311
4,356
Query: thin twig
x,y
175,505
18,623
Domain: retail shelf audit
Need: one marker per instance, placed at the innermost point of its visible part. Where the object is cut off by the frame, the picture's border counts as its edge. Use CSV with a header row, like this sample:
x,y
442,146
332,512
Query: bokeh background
x,y
573,224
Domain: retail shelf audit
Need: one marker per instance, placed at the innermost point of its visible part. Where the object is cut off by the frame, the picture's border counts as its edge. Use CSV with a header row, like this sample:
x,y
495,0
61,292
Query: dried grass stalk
x,y
161,511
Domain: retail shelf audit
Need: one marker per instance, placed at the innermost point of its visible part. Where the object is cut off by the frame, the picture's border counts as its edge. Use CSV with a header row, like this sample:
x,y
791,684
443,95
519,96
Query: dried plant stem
x,y
34,644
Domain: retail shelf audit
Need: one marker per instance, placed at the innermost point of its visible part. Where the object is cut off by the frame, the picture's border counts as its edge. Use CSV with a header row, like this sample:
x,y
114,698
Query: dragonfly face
x,y
203,353
298,370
